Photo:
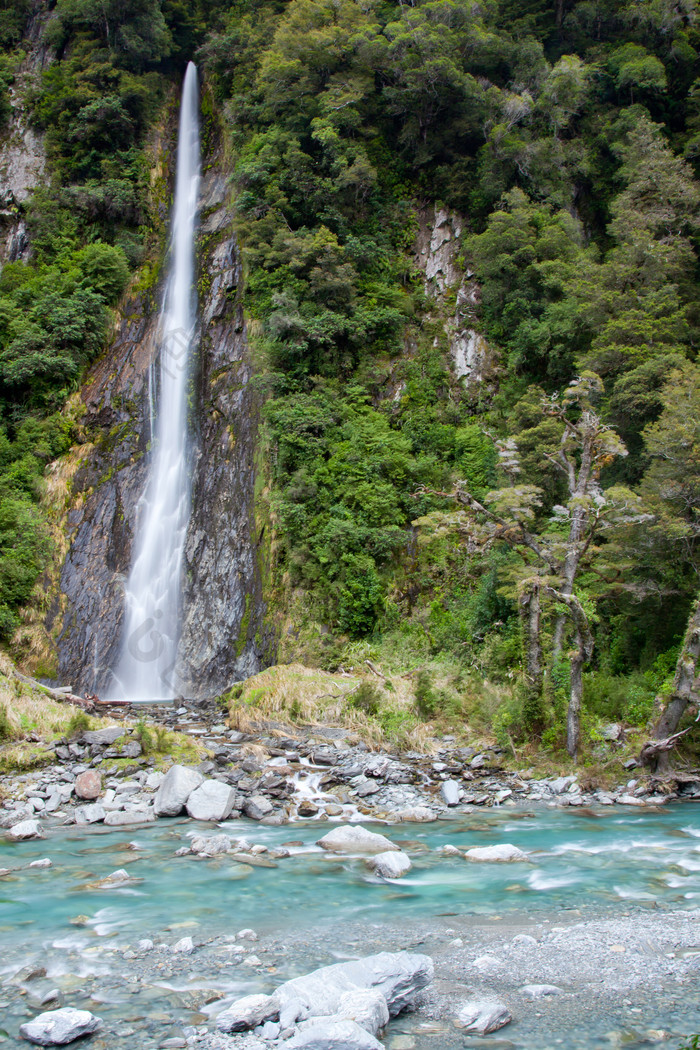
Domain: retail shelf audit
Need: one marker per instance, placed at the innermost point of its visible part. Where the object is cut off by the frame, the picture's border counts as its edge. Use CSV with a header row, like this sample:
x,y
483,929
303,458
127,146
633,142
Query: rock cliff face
x,y
222,604
456,294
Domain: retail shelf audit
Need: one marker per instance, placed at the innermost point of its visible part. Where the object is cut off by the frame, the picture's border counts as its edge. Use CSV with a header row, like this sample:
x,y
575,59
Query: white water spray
x,y
146,667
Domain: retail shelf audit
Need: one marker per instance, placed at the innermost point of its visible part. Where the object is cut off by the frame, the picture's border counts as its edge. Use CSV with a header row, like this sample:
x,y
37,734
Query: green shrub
x,y
425,699
366,698
78,724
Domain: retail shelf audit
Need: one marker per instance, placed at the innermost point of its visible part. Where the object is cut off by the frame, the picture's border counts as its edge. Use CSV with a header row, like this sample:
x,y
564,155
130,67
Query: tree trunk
x,y
573,715
683,682
530,611
559,12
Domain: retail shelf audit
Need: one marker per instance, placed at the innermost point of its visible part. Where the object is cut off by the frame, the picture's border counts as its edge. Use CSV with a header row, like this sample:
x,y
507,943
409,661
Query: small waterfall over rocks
x,y
147,664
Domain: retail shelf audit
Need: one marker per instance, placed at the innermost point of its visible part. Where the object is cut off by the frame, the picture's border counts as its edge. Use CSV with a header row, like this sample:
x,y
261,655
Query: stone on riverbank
x,y
398,976
105,736
248,1012
391,865
502,853
331,1033
177,786
212,800
88,785
57,1027
26,829
257,807
356,839
539,991
120,818
366,1007
210,845
483,1017
91,814
451,792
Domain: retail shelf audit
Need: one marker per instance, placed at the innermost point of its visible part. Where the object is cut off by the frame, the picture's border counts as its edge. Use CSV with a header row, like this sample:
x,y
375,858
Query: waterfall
x,y
152,618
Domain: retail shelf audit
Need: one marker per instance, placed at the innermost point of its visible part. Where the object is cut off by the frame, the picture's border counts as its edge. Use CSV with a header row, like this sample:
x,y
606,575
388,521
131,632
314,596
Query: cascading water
x,y
147,663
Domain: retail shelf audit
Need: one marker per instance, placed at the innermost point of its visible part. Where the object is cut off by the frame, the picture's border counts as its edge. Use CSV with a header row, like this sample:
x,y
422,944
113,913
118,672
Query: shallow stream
x,y
581,862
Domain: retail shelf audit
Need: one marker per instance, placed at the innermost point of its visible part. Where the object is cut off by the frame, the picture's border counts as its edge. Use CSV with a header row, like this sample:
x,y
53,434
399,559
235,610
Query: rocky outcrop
x,y
221,599
22,155
456,295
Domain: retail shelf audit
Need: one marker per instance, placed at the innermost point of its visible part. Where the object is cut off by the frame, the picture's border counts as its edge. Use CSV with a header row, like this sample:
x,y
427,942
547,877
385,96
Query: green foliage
x,y
78,724
425,698
366,698
7,731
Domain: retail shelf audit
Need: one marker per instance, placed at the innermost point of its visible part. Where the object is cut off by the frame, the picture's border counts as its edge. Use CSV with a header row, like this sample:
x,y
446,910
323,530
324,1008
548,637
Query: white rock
x,y
390,865
104,736
416,815
212,800
355,839
501,853
366,1007
247,935
121,818
483,1017
185,946
43,863
539,991
330,1033
257,807
26,829
177,786
451,792
399,976
485,963
248,1012
154,780
630,800
89,814
210,845
57,1027
450,851
524,938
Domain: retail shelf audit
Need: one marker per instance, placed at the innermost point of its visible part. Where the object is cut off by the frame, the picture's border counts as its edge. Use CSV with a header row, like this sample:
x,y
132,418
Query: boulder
x,y
88,784
352,838
416,815
366,1007
248,1012
120,818
89,814
398,976
502,853
212,800
57,1027
177,786
104,737
210,845
331,1033
451,792
483,1017
390,865
26,829
257,807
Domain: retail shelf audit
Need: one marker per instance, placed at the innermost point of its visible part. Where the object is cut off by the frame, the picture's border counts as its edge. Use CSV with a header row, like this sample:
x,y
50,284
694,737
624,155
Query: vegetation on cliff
x,y
538,534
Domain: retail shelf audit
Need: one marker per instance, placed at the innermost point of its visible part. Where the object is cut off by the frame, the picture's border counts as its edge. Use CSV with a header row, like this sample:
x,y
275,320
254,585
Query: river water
x,y
608,862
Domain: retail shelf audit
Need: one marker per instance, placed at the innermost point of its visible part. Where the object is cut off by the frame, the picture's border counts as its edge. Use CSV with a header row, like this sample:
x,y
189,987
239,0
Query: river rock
x,y
177,786
88,784
90,814
331,1033
355,839
257,807
26,829
366,1007
398,976
248,1012
416,815
539,991
104,737
390,865
210,845
120,818
483,1017
451,792
501,853
57,1027
212,800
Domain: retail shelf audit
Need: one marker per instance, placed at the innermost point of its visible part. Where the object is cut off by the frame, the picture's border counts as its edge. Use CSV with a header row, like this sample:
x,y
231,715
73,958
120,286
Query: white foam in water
x,y
146,669
537,880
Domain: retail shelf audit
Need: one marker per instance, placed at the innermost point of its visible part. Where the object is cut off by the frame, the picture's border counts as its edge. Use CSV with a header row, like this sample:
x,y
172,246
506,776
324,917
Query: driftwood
x,y
61,695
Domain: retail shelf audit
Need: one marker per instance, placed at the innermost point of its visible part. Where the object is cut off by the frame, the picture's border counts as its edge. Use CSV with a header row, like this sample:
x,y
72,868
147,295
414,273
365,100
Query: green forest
x,y
533,539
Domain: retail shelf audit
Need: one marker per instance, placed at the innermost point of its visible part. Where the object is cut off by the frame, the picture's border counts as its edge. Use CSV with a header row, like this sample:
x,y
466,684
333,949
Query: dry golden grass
x,y
297,695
